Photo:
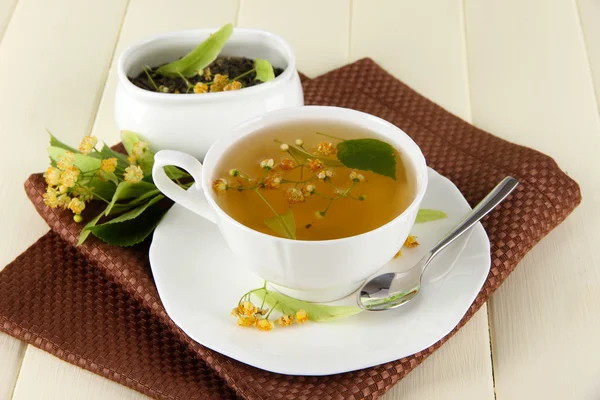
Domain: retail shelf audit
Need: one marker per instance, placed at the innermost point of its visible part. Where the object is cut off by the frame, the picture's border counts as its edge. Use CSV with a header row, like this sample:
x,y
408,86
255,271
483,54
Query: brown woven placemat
x,y
96,306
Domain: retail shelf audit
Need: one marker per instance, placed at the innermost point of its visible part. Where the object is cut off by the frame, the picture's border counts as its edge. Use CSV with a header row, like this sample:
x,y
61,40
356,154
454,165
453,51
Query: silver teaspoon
x,y
393,290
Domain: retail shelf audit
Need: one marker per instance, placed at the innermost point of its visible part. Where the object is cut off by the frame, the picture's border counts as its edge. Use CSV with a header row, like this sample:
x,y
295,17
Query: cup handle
x,y
193,200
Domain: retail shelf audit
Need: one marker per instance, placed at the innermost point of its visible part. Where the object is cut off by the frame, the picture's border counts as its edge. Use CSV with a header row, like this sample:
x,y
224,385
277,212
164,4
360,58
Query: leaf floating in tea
x,y
316,312
284,225
199,58
368,154
428,215
264,70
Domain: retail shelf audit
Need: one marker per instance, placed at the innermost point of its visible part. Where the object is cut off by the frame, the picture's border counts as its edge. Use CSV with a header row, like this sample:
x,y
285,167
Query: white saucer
x,y
199,282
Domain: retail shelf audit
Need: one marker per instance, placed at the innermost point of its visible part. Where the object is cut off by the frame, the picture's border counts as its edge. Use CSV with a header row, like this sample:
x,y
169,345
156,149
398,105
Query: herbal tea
x,y
312,181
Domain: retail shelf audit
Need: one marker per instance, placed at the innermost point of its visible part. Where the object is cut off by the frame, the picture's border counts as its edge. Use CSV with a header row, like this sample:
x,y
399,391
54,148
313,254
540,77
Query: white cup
x,y
320,270
193,122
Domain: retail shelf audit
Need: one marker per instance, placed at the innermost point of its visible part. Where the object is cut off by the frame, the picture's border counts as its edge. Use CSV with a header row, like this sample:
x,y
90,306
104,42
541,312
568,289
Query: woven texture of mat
x,y
97,307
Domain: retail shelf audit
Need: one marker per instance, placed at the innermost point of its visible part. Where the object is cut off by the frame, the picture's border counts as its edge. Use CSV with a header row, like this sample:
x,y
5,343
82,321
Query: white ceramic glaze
x,y
190,122
200,280
310,270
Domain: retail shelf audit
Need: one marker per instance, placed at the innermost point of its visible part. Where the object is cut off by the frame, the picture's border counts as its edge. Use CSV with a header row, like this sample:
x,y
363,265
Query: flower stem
x,y
150,79
289,234
271,310
242,75
333,137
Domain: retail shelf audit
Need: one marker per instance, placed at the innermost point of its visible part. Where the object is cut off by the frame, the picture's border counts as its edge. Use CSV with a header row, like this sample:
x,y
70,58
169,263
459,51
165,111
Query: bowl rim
x,y
146,45
345,114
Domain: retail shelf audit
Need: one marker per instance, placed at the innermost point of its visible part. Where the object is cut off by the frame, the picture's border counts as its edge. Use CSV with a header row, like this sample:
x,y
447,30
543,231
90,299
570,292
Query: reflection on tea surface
x,y
312,181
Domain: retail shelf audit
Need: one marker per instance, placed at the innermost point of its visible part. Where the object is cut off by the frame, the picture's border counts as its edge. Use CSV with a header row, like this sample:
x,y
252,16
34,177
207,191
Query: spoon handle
x,y
495,197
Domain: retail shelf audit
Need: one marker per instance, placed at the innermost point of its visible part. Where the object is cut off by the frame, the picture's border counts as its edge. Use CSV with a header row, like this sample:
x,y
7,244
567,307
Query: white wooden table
x,y
527,70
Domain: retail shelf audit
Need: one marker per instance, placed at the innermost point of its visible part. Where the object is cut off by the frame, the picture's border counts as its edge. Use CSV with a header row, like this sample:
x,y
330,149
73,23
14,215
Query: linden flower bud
x,y
69,177
200,88
285,320
284,147
139,148
308,190
109,165
234,172
133,174
356,177
52,176
299,142
294,196
65,161
87,144
63,189
362,197
319,215
273,181
77,218
324,175
301,316
264,324
163,89
267,163
76,205
220,185
51,197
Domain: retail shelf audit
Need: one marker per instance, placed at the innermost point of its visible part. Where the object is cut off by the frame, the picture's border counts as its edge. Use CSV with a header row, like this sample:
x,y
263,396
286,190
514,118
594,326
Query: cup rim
x,y
418,160
146,45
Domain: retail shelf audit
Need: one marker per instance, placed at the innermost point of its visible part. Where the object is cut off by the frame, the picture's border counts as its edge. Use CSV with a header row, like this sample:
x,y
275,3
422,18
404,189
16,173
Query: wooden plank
x,y
531,83
461,369
6,10
45,376
317,30
589,16
422,43
148,18
11,354
52,68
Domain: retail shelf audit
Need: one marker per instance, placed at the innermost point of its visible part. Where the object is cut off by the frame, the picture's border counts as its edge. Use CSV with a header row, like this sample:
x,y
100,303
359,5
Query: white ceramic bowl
x,y
320,270
191,122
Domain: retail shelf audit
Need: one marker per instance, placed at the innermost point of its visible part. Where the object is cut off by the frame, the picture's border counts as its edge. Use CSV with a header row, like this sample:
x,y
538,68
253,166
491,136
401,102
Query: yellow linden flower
x,y
326,149
294,196
301,316
308,190
52,176
248,308
264,324
235,85
109,165
287,164
220,185
219,83
272,181
356,177
324,175
133,174
244,320
87,144
139,148
63,189
69,177
200,88
51,197
315,165
76,205
207,74
65,161
63,201
285,320
411,242
132,160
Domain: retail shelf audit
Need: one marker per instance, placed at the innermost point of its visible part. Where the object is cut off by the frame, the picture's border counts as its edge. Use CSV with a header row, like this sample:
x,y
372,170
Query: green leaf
x,y
85,232
284,225
316,312
84,163
302,155
369,155
264,70
102,188
127,190
199,58
54,142
132,227
428,215
175,173
129,139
